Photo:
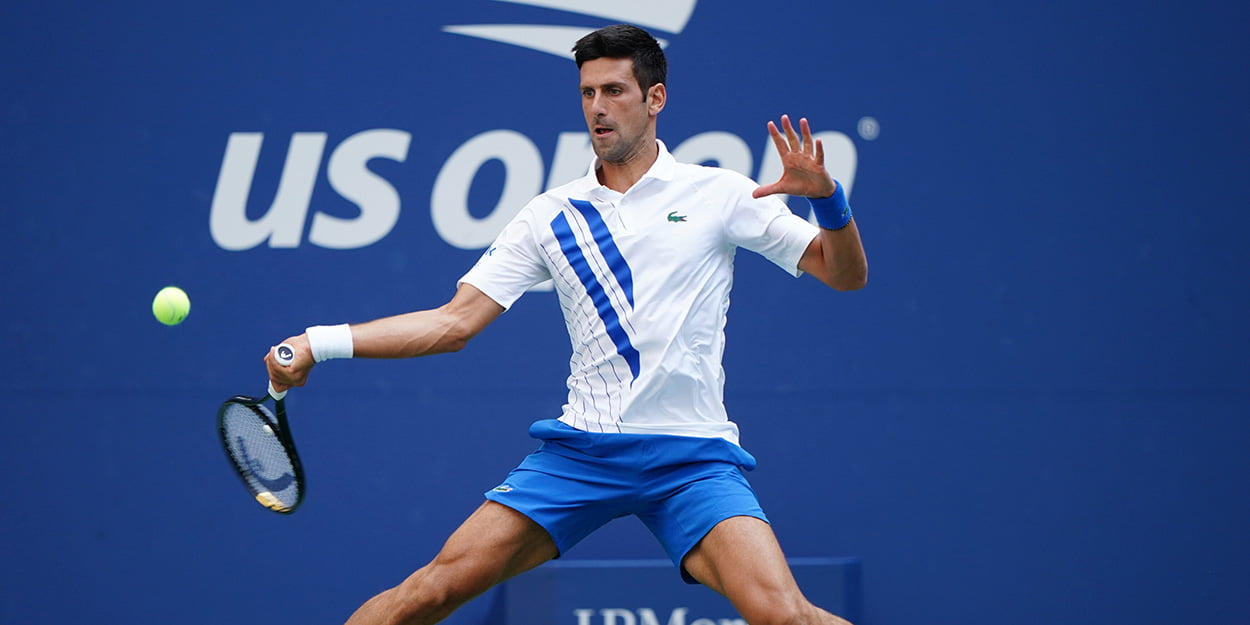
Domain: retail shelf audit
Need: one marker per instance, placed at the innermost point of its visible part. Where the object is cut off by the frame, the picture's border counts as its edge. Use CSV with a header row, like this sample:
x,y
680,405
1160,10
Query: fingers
x,y
803,158
282,378
286,376
792,141
778,140
768,189
791,137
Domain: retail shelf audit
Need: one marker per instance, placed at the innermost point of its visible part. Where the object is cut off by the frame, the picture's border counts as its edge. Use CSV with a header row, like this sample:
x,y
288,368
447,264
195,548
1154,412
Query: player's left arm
x,y
835,257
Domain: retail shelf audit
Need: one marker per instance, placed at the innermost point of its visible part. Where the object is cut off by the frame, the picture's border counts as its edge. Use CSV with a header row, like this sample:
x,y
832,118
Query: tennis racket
x,y
259,445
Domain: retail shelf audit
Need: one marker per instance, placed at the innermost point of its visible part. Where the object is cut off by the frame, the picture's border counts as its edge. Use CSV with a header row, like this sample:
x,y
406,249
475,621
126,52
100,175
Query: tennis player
x,y
641,253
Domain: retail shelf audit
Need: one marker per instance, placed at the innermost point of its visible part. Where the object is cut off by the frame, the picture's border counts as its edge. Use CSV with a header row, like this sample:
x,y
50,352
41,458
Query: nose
x,y
597,105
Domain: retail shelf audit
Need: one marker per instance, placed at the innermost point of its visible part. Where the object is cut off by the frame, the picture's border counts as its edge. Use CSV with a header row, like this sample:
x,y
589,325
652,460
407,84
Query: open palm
x,y
803,159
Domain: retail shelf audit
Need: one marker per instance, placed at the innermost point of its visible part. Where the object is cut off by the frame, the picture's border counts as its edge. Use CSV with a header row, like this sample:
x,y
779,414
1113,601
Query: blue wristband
x,y
833,212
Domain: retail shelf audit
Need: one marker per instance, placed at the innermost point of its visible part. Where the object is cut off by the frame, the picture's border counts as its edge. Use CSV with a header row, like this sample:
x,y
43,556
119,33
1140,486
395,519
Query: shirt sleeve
x,y
767,227
511,265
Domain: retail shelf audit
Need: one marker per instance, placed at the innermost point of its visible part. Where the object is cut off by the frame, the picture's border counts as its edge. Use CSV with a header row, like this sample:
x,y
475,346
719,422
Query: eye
x,y
615,90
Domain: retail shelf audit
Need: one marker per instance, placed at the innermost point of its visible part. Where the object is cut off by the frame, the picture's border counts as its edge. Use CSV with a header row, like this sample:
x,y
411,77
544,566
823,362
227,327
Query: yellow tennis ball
x,y
171,305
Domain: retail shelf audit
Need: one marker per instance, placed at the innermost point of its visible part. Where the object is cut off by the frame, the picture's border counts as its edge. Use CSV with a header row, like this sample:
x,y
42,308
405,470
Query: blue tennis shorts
x,y
680,487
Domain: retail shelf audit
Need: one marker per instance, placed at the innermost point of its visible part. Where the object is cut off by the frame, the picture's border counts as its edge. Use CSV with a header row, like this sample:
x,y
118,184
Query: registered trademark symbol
x,y
869,129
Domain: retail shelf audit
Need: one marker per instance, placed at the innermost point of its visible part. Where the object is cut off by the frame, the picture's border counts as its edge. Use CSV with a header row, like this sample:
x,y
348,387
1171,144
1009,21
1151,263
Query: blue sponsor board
x,y
650,592
1036,411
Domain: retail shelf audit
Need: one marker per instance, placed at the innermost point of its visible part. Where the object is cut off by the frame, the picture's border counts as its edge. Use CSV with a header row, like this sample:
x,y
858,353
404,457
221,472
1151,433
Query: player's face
x,y
621,121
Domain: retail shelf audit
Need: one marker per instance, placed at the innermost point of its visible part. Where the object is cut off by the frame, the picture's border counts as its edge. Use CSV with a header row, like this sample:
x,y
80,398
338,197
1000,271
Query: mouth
x,y
600,131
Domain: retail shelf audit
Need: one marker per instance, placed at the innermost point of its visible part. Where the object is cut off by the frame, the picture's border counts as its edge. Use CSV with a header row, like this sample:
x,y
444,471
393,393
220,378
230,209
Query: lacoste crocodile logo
x,y
674,217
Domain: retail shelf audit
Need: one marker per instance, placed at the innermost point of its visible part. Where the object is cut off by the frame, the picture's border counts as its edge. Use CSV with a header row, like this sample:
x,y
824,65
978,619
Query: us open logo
x,y
284,223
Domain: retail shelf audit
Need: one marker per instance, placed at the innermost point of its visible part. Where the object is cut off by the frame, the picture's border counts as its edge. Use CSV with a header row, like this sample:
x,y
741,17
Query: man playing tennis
x,y
641,253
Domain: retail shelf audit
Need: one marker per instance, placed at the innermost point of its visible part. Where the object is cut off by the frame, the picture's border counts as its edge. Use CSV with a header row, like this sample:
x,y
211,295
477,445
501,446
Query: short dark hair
x,y
623,41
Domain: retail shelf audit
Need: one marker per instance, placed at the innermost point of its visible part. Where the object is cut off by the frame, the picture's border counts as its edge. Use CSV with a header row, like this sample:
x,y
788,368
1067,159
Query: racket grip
x,y
284,354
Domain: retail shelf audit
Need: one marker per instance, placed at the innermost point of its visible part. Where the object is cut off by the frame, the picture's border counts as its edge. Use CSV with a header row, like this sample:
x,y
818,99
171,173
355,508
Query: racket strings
x,y
251,440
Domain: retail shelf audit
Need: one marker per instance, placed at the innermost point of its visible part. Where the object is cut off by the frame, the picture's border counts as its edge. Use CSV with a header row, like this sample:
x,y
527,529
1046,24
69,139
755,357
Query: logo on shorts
x,y
503,488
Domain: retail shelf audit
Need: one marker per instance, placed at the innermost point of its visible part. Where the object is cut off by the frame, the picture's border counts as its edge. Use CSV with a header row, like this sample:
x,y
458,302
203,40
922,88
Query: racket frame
x,y
281,430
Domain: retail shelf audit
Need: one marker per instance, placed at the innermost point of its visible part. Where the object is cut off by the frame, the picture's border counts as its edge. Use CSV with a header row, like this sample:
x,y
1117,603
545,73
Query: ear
x,y
657,96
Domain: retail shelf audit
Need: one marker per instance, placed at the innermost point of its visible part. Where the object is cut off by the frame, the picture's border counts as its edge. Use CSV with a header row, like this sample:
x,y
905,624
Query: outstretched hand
x,y
804,162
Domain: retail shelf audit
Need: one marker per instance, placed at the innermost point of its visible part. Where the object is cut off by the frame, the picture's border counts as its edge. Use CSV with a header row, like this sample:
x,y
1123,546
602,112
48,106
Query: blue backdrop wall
x,y
1038,410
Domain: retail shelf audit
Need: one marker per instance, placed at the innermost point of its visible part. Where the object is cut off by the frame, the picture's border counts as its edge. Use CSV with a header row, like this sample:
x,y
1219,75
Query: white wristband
x,y
328,342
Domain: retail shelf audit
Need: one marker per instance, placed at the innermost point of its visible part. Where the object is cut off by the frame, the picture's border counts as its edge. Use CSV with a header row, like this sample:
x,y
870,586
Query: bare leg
x,y
492,545
740,559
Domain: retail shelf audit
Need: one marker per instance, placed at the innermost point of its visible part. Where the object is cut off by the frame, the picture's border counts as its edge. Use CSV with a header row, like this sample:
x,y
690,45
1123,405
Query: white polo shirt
x,y
643,278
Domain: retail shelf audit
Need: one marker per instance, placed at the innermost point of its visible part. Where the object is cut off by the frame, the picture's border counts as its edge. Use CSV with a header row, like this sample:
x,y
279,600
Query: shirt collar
x,y
661,169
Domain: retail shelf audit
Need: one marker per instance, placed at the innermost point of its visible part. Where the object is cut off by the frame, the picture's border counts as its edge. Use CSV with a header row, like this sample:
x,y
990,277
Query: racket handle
x,y
284,354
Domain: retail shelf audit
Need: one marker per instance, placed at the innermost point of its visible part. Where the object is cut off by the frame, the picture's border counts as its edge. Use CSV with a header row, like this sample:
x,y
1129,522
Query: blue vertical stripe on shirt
x,y
603,305
607,246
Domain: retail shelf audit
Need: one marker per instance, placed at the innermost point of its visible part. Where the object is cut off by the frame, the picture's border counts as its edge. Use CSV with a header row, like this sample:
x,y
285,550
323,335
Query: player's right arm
x,y
422,333
426,332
